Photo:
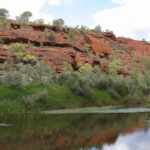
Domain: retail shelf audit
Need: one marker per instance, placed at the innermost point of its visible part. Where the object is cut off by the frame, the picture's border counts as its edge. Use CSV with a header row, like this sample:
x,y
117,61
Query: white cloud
x,y
16,7
58,2
128,18
136,141
55,2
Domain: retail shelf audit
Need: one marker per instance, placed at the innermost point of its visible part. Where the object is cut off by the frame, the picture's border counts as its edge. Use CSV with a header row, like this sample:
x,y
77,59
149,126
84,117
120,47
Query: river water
x,y
75,132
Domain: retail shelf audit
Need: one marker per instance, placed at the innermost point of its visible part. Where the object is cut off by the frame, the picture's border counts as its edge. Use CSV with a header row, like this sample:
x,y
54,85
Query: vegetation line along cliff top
x,y
55,66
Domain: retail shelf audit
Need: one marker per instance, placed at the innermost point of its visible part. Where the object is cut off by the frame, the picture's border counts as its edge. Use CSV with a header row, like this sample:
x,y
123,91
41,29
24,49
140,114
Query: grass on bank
x,y
38,97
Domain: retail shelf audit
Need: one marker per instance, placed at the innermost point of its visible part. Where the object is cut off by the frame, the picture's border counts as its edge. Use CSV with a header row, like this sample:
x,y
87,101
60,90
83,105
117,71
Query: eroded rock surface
x,y
62,49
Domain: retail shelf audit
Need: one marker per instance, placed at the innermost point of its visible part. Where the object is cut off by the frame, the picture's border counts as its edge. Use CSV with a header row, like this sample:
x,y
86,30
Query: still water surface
x,y
75,132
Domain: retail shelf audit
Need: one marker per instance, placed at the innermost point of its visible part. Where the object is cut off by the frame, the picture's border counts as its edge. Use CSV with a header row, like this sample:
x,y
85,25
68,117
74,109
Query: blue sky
x,y
128,18
77,12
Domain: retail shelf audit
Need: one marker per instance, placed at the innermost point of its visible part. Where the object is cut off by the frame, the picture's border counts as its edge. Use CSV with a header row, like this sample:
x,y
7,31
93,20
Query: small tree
x,y
98,29
87,47
24,17
3,18
71,35
19,50
4,13
115,64
84,29
58,22
51,36
39,21
3,22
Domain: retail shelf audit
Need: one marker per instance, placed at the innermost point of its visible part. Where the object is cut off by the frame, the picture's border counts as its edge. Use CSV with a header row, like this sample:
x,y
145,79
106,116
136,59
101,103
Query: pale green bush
x,y
12,78
87,48
58,22
22,75
22,55
84,29
71,35
39,98
98,29
51,36
24,18
3,23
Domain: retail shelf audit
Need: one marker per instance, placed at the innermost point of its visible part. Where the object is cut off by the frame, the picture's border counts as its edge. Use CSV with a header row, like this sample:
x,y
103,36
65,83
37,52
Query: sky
x,y
128,18
136,141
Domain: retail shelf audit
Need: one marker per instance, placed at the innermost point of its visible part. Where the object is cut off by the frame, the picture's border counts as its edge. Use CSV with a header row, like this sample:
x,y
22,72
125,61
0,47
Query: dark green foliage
x,y
4,13
58,22
84,29
3,22
1,41
50,35
39,22
71,35
24,17
98,29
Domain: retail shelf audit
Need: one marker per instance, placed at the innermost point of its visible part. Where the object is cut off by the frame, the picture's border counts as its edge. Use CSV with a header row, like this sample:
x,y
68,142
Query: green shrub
x,y
12,78
3,23
22,75
1,41
38,73
78,82
87,48
146,63
38,99
22,55
39,22
81,88
115,65
4,13
24,17
98,29
84,29
58,23
51,35
71,35
17,48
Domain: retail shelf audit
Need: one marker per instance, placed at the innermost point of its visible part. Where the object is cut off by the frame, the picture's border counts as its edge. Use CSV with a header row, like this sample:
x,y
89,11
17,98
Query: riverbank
x,y
35,98
99,110
39,97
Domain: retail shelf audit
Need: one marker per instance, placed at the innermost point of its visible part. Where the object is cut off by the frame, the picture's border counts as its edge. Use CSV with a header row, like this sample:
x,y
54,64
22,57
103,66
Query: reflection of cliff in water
x,y
67,132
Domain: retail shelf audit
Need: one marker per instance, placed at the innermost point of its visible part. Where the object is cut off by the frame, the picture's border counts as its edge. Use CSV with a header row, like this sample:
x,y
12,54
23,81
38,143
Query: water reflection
x,y
76,132
139,140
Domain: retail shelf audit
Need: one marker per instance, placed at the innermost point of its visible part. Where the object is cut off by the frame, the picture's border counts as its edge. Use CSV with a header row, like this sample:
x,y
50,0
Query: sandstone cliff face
x,y
99,46
57,52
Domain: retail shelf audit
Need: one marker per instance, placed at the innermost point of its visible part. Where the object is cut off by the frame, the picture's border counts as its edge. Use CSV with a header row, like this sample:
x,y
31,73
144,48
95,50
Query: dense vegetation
x,y
26,84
